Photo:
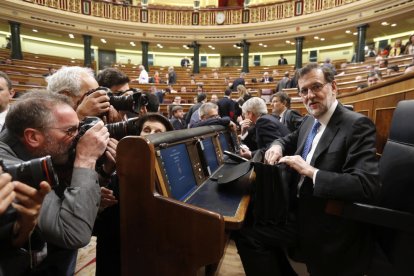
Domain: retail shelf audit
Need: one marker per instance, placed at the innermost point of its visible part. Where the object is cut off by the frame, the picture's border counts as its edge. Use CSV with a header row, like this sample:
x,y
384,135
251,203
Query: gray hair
x,y
68,79
205,108
255,105
33,110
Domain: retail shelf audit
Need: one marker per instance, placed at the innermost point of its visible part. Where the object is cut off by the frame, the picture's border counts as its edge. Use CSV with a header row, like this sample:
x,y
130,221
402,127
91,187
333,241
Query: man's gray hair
x,y
205,108
68,79
255,105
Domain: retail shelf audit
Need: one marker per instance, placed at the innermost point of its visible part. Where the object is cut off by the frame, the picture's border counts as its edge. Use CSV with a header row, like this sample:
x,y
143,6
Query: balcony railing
x,y
166,15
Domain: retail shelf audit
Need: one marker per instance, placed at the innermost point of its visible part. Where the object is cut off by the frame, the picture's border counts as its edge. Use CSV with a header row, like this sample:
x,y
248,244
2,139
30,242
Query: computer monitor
x,y
178,171
210,155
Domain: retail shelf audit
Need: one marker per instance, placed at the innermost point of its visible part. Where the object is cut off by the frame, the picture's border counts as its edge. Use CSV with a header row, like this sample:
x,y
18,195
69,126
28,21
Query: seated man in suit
x,y
208,113
333,156
263,127
281,108
177,118
266,78
284,82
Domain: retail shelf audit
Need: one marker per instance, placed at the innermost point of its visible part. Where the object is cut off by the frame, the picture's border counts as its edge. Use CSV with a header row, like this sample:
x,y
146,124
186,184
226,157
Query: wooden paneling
x,y
383,121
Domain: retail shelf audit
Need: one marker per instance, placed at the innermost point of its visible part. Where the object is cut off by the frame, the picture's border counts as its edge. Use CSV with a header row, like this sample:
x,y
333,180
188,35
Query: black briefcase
x,y
271,193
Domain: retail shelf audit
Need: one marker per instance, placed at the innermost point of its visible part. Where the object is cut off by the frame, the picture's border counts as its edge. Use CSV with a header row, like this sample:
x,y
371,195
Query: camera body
x,y
131,103
32,172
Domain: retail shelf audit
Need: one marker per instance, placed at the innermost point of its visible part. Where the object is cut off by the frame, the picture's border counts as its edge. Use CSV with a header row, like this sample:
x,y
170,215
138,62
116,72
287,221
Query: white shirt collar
x,y
324,119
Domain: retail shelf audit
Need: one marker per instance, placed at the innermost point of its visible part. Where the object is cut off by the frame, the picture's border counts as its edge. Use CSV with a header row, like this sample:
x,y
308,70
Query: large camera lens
x,y
33,172
130,103
121,129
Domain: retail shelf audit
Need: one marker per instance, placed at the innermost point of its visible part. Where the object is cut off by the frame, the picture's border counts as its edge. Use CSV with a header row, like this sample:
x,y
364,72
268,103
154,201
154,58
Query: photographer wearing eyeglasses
x,y
332,156
40,124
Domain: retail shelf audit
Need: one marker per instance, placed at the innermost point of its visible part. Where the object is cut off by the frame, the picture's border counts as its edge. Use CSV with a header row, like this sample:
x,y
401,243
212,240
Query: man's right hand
x,y
245,152
7,194
94,104
245,124
91,146
273,154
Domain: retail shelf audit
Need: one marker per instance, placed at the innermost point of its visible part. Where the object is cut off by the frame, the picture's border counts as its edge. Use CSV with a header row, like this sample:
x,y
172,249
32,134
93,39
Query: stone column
x,y
360,54
87,51
299,51
246,46
144,48
196,57
16,48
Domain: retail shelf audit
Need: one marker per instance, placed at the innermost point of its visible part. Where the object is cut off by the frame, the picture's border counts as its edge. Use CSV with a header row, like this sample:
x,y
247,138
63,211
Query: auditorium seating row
x,y
31,59
32,75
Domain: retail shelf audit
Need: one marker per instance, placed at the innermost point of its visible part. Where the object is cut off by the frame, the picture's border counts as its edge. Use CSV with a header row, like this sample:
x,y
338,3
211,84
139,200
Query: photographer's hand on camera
x,y
110,154
28,204
113,116
7,193
91,146
94,104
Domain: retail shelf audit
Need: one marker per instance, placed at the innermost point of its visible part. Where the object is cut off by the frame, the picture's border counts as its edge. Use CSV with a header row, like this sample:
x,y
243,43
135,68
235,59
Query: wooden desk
x,y
161,235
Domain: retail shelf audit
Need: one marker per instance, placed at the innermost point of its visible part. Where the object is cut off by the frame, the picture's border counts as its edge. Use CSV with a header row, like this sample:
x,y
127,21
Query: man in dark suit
x,y
339,162
282,60
281,109
266,78
226,105
177,119
262,127
238,81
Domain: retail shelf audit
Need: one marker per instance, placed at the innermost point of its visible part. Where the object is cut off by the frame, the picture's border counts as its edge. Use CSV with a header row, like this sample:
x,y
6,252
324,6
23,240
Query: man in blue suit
x,y
333,156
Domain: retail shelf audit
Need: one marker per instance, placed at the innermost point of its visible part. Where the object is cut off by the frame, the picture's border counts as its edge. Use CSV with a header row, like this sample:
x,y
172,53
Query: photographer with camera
x,y
114,79
19,210
40,124
79,84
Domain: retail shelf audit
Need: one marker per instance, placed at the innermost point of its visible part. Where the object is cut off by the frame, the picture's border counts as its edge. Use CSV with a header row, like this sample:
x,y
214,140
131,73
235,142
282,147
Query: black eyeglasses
x,y
315,88
71,131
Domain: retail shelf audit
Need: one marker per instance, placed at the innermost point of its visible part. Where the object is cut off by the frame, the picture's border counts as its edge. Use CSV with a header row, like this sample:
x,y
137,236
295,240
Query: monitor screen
x,y
178,170
223,142
210,155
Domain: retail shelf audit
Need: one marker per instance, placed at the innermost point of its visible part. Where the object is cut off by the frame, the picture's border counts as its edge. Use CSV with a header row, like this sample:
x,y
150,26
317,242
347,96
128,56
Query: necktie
x,y
309,139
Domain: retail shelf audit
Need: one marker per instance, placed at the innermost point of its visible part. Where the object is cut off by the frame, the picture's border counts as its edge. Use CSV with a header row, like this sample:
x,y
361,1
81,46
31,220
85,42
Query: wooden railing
x,y
169,15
